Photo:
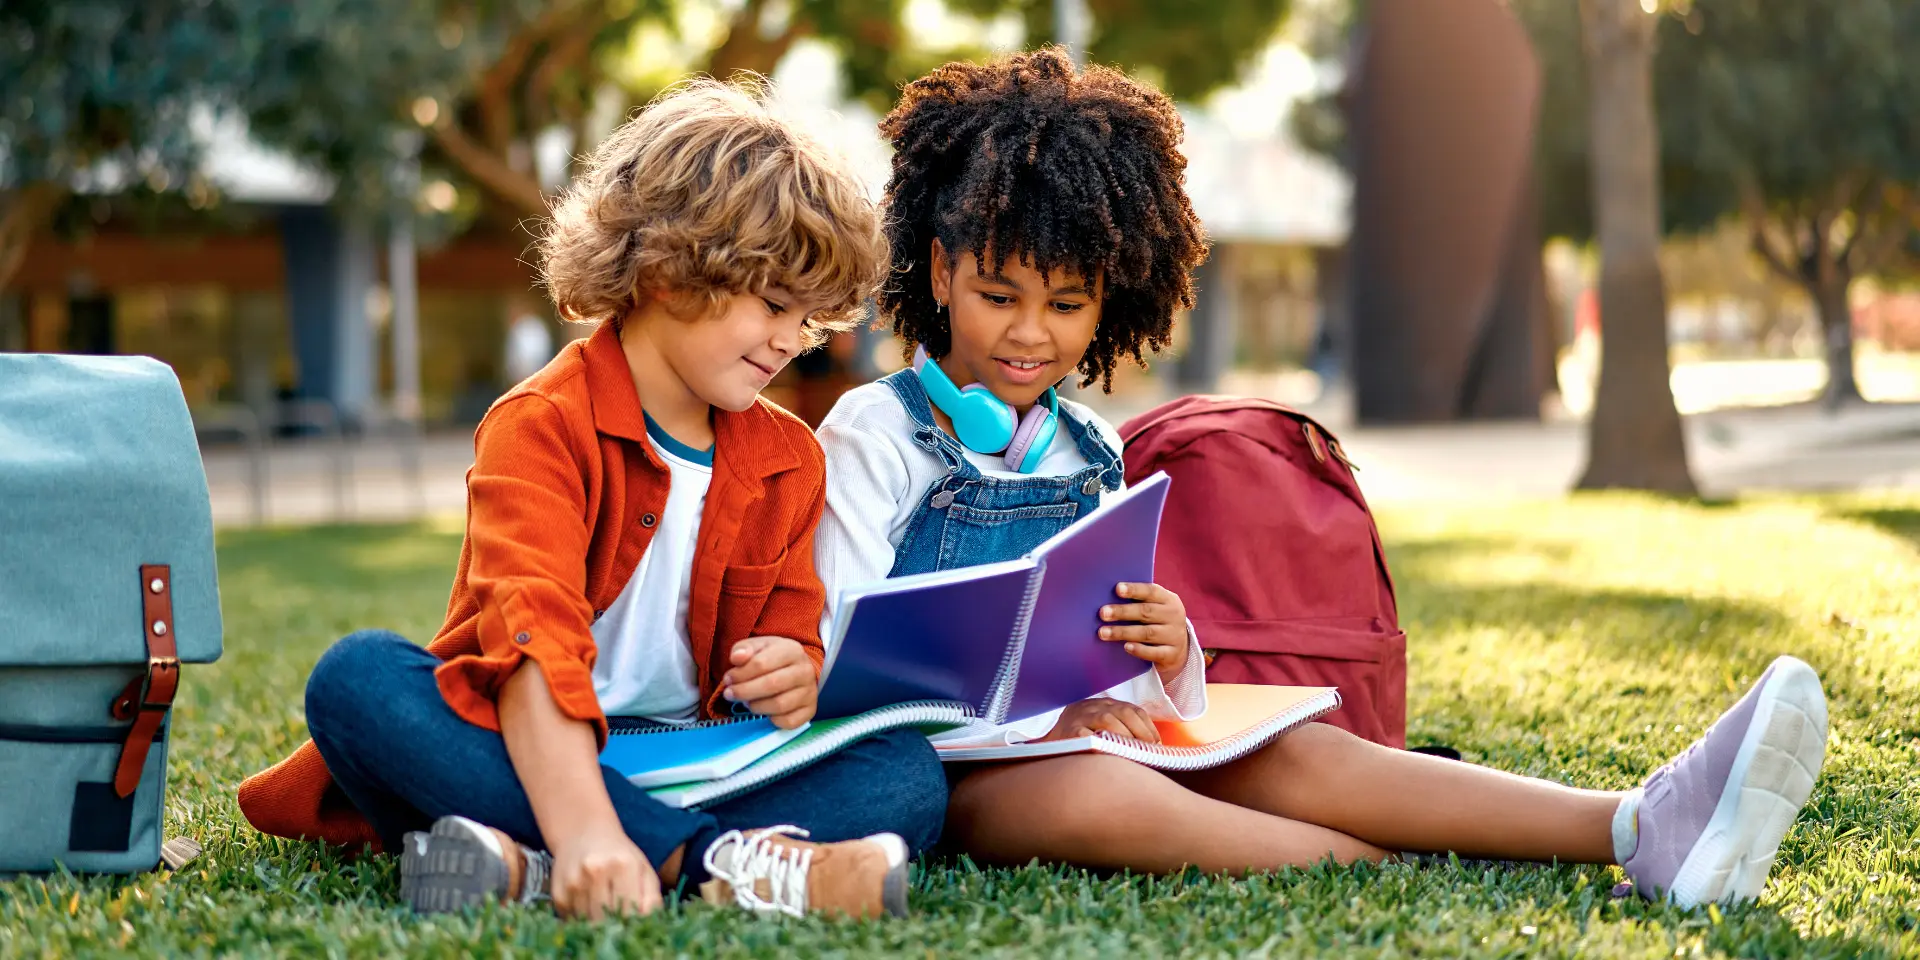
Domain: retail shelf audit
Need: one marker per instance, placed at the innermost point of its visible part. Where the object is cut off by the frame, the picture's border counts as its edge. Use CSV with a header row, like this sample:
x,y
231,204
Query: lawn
x,y
1584,641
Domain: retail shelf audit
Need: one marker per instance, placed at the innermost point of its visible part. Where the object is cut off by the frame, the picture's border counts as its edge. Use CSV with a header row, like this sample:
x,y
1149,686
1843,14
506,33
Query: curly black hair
x,y
1023,157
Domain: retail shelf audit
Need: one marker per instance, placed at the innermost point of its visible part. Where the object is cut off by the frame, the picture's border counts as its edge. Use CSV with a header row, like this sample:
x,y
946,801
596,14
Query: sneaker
x,y
771,871
1711,820
459,863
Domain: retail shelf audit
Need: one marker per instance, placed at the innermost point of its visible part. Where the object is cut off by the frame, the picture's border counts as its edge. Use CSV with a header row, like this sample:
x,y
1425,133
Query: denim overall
x,y
970,518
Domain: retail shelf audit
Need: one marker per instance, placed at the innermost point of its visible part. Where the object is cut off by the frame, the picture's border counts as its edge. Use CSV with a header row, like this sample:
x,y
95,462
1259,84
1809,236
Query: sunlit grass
x,y
1584,640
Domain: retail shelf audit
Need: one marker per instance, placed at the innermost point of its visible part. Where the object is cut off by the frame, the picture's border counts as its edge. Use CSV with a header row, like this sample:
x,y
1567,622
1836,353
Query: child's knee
x,y
1314,744
914,788
344,675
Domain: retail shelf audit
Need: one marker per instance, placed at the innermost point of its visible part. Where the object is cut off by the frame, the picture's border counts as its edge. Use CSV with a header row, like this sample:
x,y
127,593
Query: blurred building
x,y
274,298
284,300
1278,217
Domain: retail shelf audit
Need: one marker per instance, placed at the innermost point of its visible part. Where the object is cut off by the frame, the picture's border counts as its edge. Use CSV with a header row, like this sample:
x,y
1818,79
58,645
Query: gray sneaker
x,y
459,863
1711,820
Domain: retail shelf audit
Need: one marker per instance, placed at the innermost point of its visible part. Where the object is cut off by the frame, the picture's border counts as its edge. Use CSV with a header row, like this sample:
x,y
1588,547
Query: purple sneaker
x,y
1711,820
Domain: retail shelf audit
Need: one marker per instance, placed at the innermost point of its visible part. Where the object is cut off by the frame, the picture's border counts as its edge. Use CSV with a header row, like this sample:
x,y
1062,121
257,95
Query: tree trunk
x,y
1634,438
25,212
1836,326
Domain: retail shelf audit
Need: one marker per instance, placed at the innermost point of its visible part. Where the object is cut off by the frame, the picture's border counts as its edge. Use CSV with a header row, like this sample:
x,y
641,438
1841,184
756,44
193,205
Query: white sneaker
x,y
772,871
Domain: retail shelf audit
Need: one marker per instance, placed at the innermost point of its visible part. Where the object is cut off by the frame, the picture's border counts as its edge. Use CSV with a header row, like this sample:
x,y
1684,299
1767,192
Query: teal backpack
x,y
106,588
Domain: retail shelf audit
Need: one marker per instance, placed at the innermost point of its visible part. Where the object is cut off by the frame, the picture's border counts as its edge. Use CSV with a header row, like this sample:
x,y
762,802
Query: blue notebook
x,y
1008,640
661,756
814,742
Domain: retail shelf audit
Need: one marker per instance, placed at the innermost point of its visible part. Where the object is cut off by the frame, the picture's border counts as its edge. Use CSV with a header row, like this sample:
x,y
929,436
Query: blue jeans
x,y
406,759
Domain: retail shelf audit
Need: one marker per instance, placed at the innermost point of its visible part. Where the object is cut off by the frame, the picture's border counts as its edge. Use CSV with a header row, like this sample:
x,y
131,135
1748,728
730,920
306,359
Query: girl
x,y
639,550
1040,230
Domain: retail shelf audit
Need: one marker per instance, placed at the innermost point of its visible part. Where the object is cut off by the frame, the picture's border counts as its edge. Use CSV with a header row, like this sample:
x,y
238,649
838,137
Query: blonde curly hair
x,y
704,194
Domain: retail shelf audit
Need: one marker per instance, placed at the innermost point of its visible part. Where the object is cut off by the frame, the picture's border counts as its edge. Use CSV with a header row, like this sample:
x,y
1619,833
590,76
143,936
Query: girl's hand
x,y
1158,634
597,872
774,678
1103,715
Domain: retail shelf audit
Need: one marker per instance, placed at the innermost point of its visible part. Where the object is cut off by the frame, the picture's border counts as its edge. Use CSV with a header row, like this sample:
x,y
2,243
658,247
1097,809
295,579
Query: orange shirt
x,y
561,504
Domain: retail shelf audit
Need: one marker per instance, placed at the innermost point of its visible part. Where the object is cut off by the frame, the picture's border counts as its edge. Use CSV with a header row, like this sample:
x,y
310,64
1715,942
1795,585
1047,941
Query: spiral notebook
x,y
1011,639
811,743
666,755
920,652
1240,718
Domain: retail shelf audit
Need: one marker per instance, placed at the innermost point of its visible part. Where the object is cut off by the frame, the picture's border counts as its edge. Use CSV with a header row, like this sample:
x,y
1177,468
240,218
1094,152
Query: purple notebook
x,y
1011,639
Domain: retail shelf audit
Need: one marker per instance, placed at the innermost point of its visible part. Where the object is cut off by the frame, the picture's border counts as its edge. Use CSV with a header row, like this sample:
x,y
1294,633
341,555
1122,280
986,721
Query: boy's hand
x,y
774,678
597,872
1103,715
1158,634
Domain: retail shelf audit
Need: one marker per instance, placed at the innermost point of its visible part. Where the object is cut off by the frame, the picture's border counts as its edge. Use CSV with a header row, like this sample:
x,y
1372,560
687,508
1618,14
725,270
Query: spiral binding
x,y
1001,700
783,761
677,727
1163,757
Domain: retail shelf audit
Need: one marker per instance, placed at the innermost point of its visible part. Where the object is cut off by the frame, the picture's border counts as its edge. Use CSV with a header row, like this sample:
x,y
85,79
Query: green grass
x,y
1584,641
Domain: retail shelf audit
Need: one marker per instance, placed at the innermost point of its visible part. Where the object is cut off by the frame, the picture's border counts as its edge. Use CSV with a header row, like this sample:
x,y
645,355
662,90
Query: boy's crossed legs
x,y
406,760
1704,827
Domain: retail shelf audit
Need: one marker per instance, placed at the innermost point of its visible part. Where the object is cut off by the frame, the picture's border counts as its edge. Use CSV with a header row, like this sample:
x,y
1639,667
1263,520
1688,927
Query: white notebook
x,y
1240,718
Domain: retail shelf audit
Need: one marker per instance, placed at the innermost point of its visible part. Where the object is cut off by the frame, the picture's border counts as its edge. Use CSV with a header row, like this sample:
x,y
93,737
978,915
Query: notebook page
x,y
927,640
1253,716
1064,659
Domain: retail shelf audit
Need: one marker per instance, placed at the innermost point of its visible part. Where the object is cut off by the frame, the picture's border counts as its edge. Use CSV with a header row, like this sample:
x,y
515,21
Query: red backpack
x,y
1270,544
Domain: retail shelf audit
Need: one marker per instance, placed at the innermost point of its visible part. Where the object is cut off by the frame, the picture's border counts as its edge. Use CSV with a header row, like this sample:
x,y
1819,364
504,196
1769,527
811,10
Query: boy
x,y
639,550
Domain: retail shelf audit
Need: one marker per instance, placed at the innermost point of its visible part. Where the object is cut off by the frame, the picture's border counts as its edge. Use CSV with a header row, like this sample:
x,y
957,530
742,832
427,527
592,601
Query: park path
x,y
1732,451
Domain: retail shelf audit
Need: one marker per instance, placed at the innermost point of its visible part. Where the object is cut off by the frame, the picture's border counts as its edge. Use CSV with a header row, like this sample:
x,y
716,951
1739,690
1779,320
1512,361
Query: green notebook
x,y
821,739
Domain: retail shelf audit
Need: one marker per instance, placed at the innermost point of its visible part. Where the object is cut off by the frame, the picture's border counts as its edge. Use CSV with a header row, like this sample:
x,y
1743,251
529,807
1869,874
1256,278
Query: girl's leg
x,y
1324,775
1102,811
1704,827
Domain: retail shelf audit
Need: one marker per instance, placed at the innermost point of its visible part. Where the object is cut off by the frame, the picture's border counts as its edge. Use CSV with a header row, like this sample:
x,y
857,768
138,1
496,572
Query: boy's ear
x,y
942,271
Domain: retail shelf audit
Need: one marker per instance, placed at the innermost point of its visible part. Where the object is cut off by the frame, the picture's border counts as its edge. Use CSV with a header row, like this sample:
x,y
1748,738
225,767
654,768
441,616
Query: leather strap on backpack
x,y
147,699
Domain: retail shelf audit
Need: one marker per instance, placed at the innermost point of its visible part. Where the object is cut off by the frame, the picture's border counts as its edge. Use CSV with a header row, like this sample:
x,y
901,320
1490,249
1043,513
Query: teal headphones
x,y
986,423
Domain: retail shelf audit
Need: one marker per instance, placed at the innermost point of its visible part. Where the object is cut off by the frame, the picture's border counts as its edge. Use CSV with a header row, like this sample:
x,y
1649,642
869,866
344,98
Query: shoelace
x,y
533,881
759,858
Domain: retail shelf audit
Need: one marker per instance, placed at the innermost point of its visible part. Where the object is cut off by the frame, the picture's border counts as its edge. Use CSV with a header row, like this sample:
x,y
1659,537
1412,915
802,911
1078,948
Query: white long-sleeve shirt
x,y
876,477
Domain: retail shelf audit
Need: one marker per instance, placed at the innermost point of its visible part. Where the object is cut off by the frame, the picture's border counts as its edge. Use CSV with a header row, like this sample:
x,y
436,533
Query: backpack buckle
x,y
147,699
162,676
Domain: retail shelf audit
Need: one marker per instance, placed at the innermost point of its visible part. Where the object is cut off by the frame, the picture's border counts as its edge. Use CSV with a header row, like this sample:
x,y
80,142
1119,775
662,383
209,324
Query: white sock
x,y
1626,826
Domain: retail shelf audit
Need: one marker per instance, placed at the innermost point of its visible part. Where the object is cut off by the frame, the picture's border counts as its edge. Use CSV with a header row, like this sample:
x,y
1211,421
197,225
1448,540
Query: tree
x,y
1448,304
103,90
535,66
1800,123
119,96
1634,436
1186,54
1804,119
109,84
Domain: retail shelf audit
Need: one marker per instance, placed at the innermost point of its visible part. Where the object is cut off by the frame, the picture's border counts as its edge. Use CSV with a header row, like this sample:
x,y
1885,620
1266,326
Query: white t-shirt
x,y
876,476
645,665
